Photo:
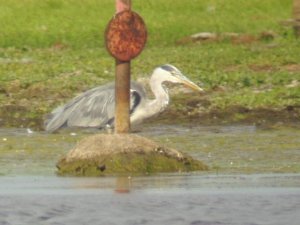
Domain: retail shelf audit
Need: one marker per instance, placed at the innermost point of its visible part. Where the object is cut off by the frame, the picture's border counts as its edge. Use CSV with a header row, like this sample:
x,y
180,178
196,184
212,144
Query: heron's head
x,y
171,74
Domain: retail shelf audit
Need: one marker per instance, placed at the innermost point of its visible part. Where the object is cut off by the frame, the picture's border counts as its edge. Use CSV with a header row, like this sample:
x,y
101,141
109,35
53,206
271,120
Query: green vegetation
x,y
51,50
128,164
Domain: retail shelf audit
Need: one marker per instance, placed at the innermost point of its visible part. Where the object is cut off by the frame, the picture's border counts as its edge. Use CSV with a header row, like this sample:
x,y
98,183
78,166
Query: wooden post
x,y
122,5
122,84
125,38
122,97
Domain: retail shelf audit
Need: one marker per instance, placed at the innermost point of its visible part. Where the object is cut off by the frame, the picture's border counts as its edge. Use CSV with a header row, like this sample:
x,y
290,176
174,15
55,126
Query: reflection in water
x,y
123,184
166,199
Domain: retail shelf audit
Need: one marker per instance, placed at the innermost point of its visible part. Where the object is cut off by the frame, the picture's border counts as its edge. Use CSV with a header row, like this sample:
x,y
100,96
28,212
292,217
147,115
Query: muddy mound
x,y
120,154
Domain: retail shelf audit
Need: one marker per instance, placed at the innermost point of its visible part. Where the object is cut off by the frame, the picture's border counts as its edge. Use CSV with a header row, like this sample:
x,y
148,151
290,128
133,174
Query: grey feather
x,y
96,107
93,108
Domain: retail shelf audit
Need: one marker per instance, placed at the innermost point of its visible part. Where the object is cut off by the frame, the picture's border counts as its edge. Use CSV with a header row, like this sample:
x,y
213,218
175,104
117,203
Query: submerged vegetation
x,y
51,50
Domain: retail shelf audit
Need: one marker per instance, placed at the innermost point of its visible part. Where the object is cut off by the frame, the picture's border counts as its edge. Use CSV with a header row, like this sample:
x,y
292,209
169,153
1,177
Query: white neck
x,y
161,95
155,106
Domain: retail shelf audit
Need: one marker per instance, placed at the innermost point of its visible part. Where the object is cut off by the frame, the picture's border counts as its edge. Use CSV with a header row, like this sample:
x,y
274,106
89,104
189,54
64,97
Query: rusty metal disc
x,y
125,35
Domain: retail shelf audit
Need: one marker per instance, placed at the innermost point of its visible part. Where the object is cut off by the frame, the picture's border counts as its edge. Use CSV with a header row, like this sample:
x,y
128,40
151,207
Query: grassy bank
x,y
81,24
52,50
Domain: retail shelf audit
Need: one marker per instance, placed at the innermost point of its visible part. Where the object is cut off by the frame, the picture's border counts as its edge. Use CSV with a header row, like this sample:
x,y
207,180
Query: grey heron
x,y
96,107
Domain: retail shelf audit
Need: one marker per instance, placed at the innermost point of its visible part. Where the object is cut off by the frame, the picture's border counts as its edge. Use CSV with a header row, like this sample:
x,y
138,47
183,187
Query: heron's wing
x,y
137,95
135,100
93,108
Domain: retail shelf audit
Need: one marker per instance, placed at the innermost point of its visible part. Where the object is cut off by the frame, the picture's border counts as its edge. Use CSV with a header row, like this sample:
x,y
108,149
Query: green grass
x,y
81,24
52,49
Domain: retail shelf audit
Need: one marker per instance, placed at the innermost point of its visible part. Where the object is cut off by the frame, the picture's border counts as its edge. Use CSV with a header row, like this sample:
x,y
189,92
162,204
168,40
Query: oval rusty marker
x,y
125,35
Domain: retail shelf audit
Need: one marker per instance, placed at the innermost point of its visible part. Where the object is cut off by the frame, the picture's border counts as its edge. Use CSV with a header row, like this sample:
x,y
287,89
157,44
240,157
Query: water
x,y
254,178
166,199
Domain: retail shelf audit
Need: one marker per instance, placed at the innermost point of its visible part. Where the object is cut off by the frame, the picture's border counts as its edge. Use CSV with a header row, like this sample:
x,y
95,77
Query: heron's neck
x,y
155,106
161,95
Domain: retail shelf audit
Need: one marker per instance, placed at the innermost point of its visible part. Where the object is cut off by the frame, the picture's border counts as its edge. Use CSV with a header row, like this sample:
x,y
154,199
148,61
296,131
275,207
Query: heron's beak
x,y
192,85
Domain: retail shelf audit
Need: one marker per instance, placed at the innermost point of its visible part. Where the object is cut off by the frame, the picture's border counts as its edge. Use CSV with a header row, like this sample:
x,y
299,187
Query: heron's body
x,y
96,107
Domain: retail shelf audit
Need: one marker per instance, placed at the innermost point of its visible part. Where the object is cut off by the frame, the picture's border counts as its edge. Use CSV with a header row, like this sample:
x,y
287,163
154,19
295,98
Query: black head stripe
x,y
136,100
167,68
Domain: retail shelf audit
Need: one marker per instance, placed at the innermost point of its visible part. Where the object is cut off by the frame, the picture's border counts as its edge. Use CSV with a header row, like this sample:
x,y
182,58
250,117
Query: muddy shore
x,y
187,109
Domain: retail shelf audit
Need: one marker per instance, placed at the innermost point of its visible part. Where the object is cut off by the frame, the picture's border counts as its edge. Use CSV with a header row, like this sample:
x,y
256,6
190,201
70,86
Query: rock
x,y
293,84
198,37
204,36
124,154
235,38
